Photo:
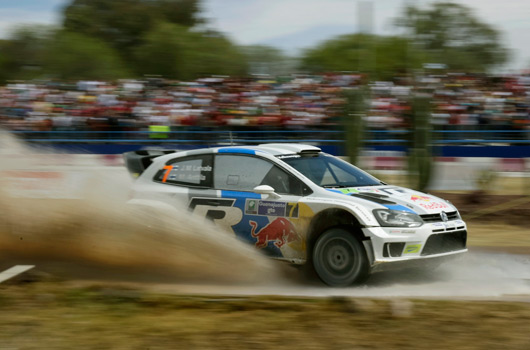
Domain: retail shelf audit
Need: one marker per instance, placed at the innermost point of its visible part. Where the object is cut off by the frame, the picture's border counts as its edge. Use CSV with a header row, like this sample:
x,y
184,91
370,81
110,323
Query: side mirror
x,y
266,189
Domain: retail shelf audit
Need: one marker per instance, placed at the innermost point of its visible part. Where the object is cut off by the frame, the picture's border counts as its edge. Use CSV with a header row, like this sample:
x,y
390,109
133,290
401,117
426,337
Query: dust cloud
x,y
73,221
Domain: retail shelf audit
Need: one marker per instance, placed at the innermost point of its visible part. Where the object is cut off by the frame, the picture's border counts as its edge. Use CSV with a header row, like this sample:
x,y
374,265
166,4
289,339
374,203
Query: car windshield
x,y
330,172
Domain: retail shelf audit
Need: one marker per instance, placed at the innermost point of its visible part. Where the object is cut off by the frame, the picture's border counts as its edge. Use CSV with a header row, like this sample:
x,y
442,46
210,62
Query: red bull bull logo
x,y
416,198
280,231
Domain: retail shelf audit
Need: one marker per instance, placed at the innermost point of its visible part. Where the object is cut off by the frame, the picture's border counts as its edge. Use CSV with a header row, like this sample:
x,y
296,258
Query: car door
x,y
269,223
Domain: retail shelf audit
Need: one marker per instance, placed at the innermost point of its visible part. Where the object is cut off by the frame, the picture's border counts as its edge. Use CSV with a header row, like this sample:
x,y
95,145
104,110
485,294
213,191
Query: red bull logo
x,y
280,231
420,198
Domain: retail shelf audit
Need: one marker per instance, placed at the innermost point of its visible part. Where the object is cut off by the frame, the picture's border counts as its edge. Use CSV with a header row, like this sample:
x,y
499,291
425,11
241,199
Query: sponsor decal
x,y
271,208
427,203
292,210
416,198
251,207
186,172
348,190
402,231
219,210
280,231
367,189
412,249
289,156
435,205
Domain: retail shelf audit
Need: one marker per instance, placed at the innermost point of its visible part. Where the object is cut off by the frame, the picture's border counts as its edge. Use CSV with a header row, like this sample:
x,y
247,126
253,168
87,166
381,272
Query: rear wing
x,y
138,161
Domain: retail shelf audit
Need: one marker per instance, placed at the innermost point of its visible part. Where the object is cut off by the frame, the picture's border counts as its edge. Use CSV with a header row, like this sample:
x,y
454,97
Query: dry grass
x,y
55,316
499,235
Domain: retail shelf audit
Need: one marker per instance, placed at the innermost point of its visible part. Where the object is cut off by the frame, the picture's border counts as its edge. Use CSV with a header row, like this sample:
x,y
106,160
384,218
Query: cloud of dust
x,y
96,229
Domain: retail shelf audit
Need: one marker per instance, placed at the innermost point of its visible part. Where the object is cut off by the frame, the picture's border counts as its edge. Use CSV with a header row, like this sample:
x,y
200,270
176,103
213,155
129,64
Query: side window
x,y
187,171
243,173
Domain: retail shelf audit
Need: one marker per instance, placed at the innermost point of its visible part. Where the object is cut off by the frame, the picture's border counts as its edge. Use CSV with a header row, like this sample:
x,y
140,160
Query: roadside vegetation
x,y
113,39
61,316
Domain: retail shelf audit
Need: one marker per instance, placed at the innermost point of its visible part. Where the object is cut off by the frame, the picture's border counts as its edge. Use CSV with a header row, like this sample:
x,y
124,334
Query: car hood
x,y
398,198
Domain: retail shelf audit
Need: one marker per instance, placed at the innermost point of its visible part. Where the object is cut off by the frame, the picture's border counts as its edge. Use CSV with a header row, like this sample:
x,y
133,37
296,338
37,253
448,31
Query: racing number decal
x,y
291,210
168,169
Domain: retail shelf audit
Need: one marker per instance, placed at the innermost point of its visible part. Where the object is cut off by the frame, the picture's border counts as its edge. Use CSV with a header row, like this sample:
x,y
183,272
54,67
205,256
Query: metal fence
x,y
220,136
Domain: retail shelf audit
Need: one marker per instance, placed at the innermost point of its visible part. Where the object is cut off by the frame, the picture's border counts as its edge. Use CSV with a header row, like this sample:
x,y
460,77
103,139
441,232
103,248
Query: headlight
x,y
395,218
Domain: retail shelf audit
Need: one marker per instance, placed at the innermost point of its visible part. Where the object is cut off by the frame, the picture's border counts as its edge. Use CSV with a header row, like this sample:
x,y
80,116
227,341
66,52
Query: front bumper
x,y
424,262
399,245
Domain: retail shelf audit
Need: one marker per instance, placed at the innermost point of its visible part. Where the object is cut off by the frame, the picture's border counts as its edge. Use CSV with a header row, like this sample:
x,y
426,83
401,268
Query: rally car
x,y
299,204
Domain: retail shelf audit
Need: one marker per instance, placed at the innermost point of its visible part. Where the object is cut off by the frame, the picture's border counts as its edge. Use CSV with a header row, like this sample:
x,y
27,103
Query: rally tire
x,y
339,258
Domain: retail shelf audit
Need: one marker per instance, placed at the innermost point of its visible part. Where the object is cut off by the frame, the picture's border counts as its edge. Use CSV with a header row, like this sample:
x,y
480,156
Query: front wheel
x,y
339,258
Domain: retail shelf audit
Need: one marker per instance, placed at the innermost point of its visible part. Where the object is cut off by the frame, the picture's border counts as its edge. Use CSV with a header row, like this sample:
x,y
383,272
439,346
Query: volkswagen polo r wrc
x,y
299,204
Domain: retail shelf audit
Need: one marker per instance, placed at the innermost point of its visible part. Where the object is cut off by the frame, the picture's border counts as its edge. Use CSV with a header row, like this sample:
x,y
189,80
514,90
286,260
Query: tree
x,y
263,59
76,56
382,57
4,62
175,52
123,23
453,35
162,51
21,55
211,53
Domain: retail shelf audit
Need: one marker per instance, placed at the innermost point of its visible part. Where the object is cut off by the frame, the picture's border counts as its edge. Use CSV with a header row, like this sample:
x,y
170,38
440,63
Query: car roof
x,y
272,149
286,148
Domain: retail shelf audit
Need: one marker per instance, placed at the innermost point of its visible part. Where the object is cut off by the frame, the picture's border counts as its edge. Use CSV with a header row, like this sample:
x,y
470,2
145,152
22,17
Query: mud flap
x,y
369,251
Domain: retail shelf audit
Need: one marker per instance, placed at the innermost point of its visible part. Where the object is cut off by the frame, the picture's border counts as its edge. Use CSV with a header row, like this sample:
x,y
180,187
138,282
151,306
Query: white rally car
x,y
298,204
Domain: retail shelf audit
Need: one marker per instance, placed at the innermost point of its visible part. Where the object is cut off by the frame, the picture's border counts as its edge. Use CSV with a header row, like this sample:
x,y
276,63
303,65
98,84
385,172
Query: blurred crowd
x,y
460,102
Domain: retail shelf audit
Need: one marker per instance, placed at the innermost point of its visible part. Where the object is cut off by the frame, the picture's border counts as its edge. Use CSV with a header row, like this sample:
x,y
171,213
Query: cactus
x,y
353,124
420,154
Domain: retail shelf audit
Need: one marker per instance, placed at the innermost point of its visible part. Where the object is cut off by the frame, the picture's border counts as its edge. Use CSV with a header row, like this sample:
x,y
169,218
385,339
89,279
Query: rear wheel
x,y
339,258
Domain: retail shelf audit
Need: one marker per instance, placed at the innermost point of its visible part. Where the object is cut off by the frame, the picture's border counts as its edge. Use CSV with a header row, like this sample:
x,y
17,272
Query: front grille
x,y
453,215
445,242
393,250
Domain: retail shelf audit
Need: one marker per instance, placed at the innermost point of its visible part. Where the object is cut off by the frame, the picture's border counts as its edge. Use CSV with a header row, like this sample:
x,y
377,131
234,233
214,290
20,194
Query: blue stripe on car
x,y
335,191
398,207
237,150
239,194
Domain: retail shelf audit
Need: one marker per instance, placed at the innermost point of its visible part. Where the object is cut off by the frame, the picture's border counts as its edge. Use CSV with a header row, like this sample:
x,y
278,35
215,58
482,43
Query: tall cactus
x,y
420,148
353,124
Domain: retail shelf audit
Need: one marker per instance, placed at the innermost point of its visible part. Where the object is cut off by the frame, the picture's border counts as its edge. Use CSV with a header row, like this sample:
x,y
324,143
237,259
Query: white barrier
x,y
65,176
70,176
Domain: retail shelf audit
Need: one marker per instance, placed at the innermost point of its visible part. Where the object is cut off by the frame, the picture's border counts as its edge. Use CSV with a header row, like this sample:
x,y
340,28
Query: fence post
x,y
353,123
420,154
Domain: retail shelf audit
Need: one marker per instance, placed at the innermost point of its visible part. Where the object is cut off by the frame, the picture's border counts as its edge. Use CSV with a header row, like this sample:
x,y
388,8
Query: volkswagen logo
x,y
444,216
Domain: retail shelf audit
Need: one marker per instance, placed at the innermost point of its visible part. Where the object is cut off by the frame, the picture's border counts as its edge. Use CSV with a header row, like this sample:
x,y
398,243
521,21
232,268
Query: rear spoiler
x,y
138,161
